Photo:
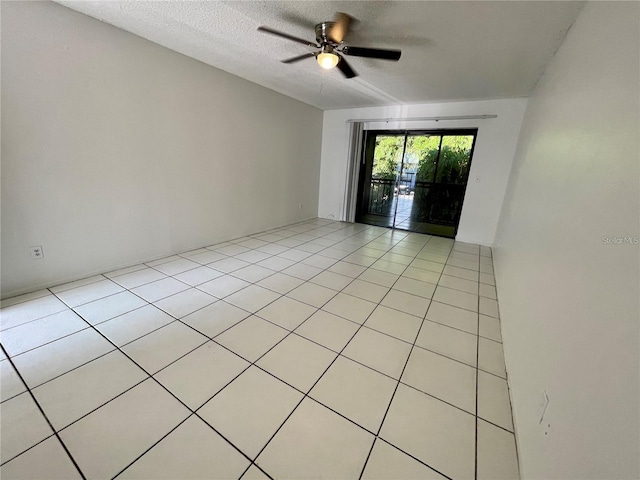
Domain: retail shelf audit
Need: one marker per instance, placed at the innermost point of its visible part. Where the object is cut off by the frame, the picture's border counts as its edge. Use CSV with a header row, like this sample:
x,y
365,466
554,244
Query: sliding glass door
x,y
415,180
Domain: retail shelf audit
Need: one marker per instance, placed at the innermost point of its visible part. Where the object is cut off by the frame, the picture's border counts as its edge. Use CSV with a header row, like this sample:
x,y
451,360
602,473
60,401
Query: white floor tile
x,y
250,410
395,323
302,271
314,439
133,325
154,291
55,358
280,283
206,256
422,275
493,400
139,277
297,361
163,346
489,327
24,312
177,266
199,375
7,302
378,351
491,357
30,335
448,380
124,271
109,307
346,268
109,439
276,263
438,434
366,290
191,451
457,283
453,317
22,426
198,275
331,280
312,294
215,318
252,256
460,272
286,312
489,306
488,291
254,473
232,249
415,287
456,298
350,288
78,392
379,277
89,293
78,283
229,265
327,329
10,381
185,302
355,391
427,265
389,267
252,337
46,460
387,462
406,302
497,457
252,298
452,343
253,273
349,307
223,286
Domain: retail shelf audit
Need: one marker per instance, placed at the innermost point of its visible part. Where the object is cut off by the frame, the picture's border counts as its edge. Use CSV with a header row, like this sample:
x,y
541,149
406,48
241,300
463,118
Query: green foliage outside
x,y
453,166
422,153
386,156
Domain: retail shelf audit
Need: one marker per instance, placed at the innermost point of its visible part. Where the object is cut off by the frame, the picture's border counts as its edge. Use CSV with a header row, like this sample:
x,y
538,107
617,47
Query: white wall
x,y
117,150
495,147
569,302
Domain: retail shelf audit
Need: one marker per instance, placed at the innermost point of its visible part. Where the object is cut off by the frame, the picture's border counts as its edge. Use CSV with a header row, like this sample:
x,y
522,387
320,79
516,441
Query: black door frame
x,y
366,166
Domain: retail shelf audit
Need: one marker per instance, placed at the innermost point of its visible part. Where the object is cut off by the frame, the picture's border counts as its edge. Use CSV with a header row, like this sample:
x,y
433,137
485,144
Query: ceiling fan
x,y
330,37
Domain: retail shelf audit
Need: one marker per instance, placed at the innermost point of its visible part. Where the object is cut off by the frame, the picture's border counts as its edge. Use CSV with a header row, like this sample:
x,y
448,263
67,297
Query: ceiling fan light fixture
x,y
328,60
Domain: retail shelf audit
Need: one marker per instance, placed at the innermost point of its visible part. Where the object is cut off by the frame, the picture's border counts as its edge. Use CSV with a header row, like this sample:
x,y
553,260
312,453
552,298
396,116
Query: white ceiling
x,y
451,50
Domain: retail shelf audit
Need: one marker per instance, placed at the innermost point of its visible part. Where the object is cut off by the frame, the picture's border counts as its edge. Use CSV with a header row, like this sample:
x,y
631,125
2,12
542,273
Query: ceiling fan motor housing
x,y
323,33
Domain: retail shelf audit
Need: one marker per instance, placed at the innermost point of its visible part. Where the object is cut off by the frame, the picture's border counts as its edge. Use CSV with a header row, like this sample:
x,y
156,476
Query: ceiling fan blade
x,y
372,53
346,70
287,36
299,57
340,28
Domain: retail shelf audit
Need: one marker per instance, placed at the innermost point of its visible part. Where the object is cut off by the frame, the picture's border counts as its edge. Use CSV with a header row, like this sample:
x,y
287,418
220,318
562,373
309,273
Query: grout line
x,y
477,388
391,244
398,383
43,414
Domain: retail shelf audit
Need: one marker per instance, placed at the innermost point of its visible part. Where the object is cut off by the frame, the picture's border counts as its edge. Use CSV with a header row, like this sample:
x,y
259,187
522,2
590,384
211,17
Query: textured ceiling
x,y
451,50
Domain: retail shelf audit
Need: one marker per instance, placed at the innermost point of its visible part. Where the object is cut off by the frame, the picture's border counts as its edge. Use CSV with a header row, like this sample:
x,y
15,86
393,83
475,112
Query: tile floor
x,y
319,350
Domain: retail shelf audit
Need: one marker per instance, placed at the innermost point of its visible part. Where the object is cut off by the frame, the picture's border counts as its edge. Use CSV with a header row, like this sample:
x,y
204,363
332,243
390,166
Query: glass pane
x,y
421,154
386,166
386,157
455,156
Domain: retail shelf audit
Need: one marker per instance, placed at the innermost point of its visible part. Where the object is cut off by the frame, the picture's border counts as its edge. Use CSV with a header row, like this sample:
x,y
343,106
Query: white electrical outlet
x,y
299,206
36,252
